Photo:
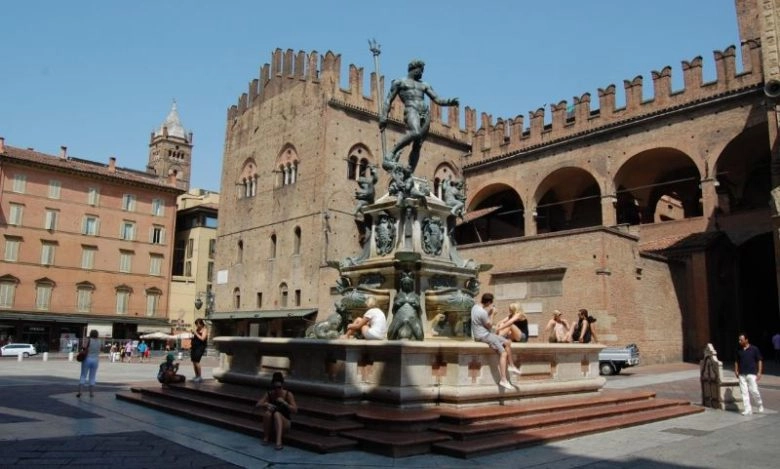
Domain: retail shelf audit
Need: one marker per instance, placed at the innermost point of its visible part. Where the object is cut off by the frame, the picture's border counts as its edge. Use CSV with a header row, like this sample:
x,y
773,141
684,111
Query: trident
x,y
374,47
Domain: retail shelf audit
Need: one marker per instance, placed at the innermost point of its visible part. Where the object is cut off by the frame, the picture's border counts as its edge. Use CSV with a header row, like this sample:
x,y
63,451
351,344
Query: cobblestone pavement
x,y
43,424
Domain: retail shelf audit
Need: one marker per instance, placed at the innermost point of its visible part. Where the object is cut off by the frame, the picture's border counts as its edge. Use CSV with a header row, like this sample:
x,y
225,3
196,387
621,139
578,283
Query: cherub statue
x,y
454,196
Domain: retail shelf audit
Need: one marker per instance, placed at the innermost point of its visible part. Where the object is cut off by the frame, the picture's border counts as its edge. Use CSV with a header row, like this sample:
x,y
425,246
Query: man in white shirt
x,y
481,324
372,325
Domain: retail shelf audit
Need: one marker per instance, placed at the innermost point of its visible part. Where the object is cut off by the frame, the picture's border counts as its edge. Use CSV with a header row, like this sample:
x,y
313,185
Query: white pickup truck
x,y
614,359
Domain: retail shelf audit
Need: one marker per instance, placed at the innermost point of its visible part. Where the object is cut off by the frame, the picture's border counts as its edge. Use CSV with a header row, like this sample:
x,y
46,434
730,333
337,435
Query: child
x,y
167,373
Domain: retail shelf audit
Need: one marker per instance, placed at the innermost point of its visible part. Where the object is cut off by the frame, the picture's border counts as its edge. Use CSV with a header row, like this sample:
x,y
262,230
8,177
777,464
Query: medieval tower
x,y
170,150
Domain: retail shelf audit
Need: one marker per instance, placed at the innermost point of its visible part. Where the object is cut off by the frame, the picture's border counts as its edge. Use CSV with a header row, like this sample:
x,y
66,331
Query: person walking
x,y
481,324
749,368
199,340
90,364
142,349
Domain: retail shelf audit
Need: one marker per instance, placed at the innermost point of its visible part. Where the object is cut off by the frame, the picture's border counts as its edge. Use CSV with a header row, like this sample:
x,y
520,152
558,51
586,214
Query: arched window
x,y
287,166
273,246
237,298
358,161
247,180
240,252
297,241
283,295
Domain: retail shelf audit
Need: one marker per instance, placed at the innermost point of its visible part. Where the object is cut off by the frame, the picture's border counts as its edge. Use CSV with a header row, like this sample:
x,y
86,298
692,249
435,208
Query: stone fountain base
x,y
409,373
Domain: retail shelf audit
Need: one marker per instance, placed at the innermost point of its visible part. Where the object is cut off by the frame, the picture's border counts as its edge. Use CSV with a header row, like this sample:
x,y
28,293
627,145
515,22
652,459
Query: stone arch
x,y
286,165
656,185
566,199
742,171
495,212
247,179
359,158
442,172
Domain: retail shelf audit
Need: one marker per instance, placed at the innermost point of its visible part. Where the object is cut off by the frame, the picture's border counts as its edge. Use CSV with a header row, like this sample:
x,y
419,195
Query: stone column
x,y
608,211
529,220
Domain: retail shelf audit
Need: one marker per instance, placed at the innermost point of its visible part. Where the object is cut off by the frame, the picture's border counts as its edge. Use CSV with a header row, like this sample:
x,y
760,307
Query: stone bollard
x,y
181,355
45,356
70,356
19,357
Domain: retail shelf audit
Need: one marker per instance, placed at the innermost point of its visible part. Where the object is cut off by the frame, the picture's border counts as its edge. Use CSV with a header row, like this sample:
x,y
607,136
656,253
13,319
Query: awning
x,y
264,314
474,214
144,329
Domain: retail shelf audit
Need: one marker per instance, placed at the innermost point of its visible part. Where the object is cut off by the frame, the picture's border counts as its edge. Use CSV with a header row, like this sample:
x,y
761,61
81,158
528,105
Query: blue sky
x,y
98,76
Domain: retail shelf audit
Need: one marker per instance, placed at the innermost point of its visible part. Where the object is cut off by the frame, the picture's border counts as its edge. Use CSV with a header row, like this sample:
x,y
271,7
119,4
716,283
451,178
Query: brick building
x,y
87,245
654,216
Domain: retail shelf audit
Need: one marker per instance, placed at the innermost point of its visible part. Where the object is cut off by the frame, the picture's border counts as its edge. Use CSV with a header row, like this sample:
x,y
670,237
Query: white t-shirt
x,y
377,324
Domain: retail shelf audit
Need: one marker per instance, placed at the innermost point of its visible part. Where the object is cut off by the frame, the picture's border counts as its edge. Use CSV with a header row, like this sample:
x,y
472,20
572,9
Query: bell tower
x,y
170,150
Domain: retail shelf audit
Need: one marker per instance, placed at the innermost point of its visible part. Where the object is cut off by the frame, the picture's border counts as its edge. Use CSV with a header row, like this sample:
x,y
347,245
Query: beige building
x,y
88,245
193,257
654,216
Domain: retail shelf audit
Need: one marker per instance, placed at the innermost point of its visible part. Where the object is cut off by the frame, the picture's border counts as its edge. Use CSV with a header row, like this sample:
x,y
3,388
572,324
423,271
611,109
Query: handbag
x,y
82,353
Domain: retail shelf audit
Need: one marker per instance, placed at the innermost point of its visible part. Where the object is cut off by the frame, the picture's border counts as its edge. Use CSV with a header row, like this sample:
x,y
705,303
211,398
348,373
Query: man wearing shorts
x,y
372,325
481,324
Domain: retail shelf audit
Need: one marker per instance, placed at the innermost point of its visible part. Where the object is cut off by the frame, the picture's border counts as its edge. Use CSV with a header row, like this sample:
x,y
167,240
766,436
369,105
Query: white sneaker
x,y
197,379
761,410
506,385
514,369
747,412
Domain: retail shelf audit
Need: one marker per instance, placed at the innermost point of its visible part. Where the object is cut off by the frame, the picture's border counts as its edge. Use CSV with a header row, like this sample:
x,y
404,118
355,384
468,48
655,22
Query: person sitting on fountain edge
x,y
371,326
481,324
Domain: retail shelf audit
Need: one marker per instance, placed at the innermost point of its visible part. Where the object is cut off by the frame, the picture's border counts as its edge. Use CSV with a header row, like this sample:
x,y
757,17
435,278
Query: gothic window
x,y
240,252
358,161
287,166
237,298
273,246
442,173
247,180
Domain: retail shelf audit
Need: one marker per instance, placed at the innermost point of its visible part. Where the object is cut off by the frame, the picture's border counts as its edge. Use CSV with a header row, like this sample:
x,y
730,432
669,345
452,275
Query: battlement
x,y
510,135
288,70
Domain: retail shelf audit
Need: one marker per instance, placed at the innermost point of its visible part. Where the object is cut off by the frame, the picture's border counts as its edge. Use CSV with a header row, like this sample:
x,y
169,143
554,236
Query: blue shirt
x,y
748,359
